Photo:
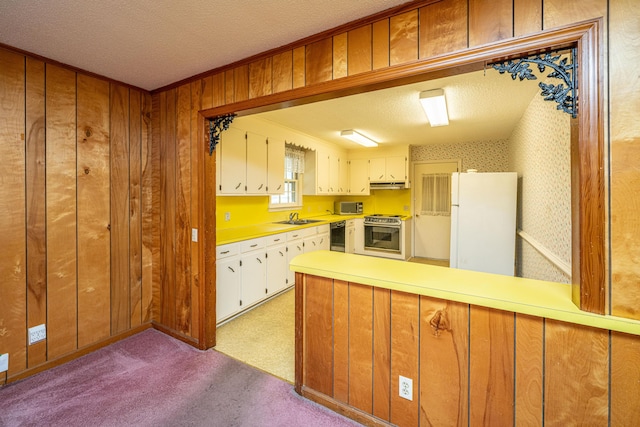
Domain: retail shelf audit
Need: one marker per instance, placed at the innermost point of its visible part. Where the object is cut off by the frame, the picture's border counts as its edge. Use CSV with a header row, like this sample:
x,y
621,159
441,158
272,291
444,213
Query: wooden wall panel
x,y
219,87
491,367
168,210
381,353
135,212
318,363
624,57
403,38
282,66
13,263
527,17
119,132
562,12
150,209
156,178
361,347
444,361
93,175
443,27
405,352
318,62
183,210
206,89
62,325
229,87
241,83
340,62
576,375
35,192
359,50
341,334
299,67
490,21
196,143
380,44
625,380
529,370
261,78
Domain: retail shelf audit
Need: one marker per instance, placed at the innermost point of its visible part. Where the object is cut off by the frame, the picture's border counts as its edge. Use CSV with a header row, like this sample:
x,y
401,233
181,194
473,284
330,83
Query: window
x,y
293,171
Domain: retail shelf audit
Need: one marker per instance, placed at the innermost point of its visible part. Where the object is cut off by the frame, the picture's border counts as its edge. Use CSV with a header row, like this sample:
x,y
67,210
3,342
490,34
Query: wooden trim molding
x,y
588,204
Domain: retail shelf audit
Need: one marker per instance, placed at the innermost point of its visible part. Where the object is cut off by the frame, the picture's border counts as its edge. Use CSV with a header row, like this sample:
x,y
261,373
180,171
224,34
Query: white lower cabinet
x,y
250,271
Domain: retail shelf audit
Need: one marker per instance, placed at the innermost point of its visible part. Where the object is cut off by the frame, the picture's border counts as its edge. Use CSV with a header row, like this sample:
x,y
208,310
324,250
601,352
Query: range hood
x,y
390,185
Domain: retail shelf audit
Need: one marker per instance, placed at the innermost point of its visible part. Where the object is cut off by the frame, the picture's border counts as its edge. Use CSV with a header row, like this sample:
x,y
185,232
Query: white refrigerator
x,y
483,221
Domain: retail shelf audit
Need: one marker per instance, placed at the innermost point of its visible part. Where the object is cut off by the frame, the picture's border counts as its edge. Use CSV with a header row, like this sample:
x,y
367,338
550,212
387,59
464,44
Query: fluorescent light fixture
x,y
358,137
435,107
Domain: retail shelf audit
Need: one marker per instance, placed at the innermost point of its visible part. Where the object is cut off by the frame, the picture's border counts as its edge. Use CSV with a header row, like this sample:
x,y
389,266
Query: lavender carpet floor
x,y
151,379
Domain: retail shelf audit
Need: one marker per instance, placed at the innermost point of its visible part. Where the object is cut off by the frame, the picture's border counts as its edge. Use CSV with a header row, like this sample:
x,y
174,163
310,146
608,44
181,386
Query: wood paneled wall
x,y
410,34
470,365
75,212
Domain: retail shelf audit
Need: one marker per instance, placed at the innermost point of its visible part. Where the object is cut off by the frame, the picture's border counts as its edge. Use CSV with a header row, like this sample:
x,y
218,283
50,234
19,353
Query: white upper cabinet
x,y
358,177
250,164
233,162
325,173
388,169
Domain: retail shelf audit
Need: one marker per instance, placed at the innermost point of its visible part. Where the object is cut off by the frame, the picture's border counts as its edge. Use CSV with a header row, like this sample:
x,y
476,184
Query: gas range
x,y
383,219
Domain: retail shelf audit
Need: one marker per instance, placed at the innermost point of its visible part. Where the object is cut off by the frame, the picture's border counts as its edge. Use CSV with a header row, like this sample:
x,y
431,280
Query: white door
x,y
432,223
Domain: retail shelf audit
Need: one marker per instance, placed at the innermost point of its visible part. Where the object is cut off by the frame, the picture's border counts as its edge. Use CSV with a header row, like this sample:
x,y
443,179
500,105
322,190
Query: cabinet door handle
x,y
254,245
380,177
362,191
232,270
259,260
280,252
320,189
392,176
276,240
224,252
238,186
261,185
279,187
299,248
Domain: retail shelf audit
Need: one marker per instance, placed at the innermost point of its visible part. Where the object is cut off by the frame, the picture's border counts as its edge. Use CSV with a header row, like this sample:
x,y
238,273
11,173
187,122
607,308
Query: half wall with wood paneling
x,y
76,203
469,365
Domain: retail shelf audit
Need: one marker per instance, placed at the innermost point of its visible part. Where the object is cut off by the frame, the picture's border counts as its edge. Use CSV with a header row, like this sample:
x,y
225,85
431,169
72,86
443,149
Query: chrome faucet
x,y
293,215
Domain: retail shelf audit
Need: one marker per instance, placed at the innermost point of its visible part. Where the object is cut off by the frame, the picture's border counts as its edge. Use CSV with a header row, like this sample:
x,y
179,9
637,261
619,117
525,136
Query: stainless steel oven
x,y
383,233
337,230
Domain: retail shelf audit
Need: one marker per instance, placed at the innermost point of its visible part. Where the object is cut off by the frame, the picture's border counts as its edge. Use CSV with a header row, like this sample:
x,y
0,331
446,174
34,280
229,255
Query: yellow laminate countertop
x,y
533,297
232,235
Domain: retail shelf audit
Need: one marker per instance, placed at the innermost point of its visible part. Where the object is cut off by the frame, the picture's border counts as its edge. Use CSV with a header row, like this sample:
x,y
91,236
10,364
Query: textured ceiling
x,y
481,105
152,43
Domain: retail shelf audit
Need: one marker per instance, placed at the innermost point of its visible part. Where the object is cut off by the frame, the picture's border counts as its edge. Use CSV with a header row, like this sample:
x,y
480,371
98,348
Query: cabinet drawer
x,y
224,251
253,244
301,233
276,239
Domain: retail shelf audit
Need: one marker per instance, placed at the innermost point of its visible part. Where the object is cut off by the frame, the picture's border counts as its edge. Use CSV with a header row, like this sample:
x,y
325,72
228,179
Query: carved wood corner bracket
x,y
564,68
216,126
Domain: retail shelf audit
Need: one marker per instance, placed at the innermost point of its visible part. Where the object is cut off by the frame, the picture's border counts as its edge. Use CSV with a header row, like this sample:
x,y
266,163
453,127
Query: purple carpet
x,y
151,379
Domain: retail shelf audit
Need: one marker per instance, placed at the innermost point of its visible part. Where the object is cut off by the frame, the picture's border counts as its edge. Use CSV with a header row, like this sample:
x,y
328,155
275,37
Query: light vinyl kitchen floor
x,y
264,337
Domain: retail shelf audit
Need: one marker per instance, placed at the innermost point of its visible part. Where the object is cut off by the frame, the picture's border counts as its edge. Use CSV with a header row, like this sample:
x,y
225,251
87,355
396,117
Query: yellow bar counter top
x,y
527,296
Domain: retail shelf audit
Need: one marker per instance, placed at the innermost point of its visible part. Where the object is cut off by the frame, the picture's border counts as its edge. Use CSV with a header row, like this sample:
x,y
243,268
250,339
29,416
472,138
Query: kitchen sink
x,y
299,221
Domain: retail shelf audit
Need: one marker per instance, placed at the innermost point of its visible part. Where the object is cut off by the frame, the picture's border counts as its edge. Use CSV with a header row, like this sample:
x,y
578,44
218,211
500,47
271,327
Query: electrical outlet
x,y
4,362
37,334
227,216
405,388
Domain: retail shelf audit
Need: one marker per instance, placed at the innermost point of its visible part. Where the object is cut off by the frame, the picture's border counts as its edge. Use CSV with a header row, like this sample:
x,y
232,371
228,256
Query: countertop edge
x,y
525,296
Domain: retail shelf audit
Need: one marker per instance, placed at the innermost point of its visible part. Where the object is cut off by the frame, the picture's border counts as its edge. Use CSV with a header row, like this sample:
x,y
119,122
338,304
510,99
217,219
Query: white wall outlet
x,y
405,388
194,234
227,216
4,362
37,334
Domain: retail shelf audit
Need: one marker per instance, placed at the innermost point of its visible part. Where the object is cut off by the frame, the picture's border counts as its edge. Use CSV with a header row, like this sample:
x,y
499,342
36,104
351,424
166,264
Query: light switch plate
x,y
4,362
194,234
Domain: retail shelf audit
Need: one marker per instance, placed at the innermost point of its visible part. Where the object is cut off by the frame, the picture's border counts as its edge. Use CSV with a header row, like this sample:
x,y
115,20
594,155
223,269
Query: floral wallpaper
x,y
540,151
485,156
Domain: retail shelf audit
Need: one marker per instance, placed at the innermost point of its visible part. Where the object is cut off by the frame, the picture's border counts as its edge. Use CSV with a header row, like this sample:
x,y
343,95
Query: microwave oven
x,y
347,208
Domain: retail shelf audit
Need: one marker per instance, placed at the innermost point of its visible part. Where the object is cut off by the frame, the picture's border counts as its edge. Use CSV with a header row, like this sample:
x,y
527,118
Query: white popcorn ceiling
x,y
153,43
